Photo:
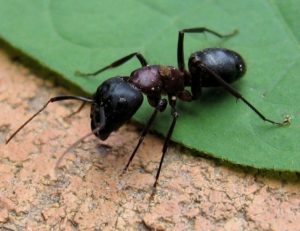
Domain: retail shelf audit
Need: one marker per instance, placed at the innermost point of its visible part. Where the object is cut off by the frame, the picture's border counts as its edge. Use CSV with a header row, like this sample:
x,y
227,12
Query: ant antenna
x,y
75,144
54,99
96,130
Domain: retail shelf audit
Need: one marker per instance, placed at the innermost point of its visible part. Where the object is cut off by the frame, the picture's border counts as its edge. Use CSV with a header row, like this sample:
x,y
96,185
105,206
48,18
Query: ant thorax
x,y
155,80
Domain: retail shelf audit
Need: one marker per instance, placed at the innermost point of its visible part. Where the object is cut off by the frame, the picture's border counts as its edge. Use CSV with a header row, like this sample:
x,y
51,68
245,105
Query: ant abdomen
x,y
227,64
115,102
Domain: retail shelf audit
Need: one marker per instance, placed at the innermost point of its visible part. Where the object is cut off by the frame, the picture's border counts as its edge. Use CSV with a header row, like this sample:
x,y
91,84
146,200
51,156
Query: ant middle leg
x,y
117,63
180,52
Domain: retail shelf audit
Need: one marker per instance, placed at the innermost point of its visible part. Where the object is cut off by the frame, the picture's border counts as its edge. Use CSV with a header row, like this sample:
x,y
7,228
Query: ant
x,y
118,98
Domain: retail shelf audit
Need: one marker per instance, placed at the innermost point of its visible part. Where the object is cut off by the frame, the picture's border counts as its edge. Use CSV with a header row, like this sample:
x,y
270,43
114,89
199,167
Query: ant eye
x,y
122,100
122,104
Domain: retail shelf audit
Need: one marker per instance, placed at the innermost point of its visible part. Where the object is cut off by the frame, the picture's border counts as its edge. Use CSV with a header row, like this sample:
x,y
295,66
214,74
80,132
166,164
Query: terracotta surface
x,y
87,191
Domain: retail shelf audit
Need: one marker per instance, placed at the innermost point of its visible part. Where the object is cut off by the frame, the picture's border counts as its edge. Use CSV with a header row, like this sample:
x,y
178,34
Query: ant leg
x,y
168,137
236,94
54,99
77,111
100,126
180,52
117,63
161,106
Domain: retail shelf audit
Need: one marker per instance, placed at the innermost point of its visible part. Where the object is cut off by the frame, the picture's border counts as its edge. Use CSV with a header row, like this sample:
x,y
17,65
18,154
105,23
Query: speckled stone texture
x,y
88,193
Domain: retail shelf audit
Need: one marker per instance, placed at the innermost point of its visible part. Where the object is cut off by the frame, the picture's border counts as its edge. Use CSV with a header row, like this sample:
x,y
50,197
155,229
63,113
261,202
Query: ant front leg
x,y
54,99
161,106
236,94
174,113
180,52
117,63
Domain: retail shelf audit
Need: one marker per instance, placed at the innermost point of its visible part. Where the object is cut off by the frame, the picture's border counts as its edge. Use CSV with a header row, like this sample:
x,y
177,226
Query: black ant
x,y
118,98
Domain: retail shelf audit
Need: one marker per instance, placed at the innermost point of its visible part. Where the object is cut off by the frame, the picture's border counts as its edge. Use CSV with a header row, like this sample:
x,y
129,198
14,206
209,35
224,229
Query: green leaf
x,y
86,35
289,12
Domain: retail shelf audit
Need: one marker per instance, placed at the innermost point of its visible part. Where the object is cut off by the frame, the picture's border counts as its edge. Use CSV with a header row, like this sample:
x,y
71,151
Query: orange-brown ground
x,y
88,193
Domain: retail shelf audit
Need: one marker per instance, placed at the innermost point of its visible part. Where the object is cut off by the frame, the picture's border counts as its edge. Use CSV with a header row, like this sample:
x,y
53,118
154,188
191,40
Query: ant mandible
x,y
118,98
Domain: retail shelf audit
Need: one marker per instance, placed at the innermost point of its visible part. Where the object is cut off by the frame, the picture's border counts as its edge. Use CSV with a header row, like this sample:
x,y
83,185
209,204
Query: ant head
x,y
115,102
